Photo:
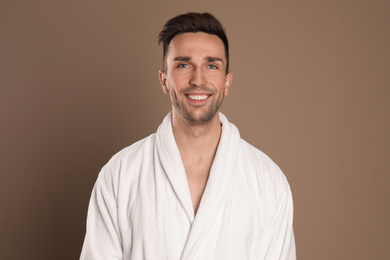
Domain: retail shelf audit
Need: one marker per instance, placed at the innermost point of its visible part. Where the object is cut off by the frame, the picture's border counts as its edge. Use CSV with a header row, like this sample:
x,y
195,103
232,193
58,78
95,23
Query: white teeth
x,y
198,97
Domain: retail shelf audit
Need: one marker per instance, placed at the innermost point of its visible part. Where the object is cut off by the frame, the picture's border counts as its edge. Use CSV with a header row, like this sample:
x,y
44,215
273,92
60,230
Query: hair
x,y
192,22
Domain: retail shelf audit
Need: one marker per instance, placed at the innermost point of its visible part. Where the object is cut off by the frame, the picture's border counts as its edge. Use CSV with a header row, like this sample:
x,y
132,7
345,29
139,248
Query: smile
x,y
198,97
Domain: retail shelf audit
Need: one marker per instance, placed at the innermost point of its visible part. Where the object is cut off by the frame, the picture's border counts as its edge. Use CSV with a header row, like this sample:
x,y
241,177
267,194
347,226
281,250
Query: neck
x,y
196,142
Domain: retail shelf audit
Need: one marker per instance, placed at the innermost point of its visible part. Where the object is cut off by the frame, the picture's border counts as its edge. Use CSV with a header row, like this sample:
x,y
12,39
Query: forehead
x,y
196,44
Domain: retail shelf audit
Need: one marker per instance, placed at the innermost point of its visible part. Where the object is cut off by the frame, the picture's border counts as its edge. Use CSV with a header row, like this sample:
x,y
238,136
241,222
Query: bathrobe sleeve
x,y
102,239
278,239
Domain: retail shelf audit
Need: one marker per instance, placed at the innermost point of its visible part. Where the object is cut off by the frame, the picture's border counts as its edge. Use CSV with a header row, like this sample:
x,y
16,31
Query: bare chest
x,y
197,176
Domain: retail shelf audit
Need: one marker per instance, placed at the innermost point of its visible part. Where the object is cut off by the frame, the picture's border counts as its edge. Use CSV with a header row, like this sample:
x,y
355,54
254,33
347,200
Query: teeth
x,y
198,97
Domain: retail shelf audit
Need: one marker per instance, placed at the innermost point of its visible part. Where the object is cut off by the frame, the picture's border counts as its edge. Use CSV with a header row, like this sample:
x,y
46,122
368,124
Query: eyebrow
x,y
182,58
212,59
208,58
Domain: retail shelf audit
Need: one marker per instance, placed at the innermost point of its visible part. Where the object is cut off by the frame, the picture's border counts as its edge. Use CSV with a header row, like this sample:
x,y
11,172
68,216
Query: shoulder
x,y
132,152
267,172
269,183
128,158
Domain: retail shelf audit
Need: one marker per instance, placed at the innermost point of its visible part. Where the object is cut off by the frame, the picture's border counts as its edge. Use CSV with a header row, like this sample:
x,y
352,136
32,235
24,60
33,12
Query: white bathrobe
x,y
141,205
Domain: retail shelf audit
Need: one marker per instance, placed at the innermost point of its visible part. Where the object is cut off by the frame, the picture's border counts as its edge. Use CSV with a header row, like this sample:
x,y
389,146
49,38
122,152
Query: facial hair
x,y
187,115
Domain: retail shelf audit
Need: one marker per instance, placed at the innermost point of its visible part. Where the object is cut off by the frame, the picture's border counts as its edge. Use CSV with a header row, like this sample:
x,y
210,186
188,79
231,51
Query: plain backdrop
x,y
311,88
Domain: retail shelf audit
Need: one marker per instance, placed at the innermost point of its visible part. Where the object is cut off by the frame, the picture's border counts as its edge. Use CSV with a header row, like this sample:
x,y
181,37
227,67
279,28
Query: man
x,y
194,189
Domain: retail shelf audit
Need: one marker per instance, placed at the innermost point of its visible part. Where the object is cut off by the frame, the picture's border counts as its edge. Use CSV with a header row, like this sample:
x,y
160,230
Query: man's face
x,y
195,78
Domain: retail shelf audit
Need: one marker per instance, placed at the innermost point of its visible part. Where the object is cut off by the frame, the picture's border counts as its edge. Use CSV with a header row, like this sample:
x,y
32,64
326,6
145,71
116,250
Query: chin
x,y
199,118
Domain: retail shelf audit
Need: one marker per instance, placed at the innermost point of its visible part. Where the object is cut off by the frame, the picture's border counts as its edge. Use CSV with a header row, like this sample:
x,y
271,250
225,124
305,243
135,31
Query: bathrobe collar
x,y
218,184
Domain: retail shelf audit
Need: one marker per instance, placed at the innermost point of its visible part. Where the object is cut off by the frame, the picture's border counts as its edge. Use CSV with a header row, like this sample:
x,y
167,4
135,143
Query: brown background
x,y
311,88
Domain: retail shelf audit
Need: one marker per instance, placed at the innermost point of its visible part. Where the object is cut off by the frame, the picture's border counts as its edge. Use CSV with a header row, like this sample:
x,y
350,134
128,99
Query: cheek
x,y
180,79
219,82
172,91
218,77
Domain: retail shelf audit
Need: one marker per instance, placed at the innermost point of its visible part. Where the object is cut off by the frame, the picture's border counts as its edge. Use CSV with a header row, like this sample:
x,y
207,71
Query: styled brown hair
x,y
192,22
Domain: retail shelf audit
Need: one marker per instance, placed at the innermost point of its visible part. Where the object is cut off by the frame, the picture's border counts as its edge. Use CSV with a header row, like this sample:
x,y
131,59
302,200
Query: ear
x,y
163,81
228,82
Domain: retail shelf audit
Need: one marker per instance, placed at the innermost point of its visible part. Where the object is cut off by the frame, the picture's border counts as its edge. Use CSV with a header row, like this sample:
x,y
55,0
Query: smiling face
x,y
195,78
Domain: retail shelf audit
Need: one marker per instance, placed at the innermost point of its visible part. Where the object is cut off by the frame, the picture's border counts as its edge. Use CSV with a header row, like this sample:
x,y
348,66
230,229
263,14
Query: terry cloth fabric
x,y
141,205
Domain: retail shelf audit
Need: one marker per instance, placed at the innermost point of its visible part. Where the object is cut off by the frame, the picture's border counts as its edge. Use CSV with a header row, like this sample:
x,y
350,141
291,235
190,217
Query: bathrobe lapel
x,y
173,166
217,188
218,184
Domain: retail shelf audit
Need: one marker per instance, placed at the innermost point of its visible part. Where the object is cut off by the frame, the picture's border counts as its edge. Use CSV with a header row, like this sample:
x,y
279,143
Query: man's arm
x,y
278,239
102,239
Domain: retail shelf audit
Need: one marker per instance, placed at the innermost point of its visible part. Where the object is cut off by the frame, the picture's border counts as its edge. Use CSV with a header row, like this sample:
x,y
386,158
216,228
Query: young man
x,y
194,189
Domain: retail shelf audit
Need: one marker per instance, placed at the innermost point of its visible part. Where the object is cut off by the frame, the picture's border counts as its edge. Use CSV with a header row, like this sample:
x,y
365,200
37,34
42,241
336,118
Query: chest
x,y
197,176
156,220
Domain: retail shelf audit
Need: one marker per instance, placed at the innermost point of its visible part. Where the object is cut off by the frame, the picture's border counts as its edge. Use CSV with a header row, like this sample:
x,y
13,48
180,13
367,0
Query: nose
x,y
198,77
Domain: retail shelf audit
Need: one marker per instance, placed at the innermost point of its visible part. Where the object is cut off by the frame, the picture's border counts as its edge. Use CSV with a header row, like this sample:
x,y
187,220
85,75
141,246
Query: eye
x,y
183,66
212,66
